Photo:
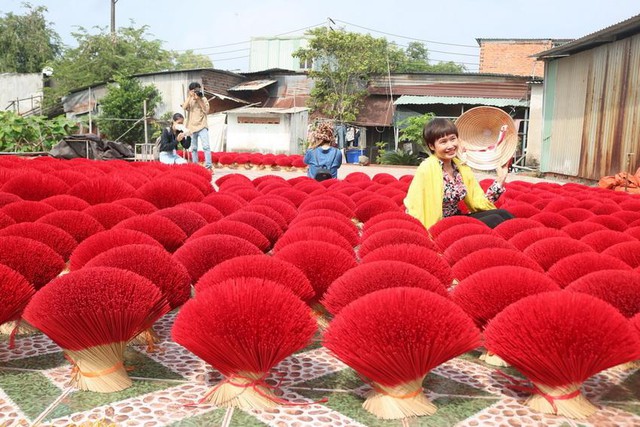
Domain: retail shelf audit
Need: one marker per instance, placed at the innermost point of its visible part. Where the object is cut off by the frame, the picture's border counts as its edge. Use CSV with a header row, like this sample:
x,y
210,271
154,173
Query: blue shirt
x,y
330,158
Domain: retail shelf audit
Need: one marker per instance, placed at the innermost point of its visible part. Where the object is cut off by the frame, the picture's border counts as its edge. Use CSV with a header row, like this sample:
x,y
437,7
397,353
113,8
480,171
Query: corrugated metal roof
x,y
252,85
626,28
225,97
454,100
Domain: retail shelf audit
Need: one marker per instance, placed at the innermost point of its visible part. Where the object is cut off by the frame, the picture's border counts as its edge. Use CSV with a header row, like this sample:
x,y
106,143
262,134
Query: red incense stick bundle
x,y
92,313
558,340
393,338
243,329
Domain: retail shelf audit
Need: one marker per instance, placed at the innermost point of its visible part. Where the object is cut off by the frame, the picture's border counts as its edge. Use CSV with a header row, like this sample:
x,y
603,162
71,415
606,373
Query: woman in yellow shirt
x,y
443,180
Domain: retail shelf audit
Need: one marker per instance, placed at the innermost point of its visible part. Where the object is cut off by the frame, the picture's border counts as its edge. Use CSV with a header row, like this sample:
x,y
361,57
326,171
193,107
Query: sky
x,y
222,29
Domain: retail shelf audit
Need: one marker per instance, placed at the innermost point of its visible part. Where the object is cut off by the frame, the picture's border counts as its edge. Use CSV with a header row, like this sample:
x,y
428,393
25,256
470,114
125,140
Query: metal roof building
x,y
591,111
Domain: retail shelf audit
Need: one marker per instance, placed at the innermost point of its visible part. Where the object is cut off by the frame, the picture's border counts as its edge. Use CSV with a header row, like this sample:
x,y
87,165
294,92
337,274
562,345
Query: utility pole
x,y
113,18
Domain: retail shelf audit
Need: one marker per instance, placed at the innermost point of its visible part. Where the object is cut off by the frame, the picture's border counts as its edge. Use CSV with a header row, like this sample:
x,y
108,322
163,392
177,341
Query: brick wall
x,y
513,57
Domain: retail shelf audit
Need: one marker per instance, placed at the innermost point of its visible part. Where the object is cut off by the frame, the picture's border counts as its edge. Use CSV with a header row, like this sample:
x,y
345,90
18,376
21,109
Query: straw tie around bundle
x,y
392,338
558,340
92,313
243,329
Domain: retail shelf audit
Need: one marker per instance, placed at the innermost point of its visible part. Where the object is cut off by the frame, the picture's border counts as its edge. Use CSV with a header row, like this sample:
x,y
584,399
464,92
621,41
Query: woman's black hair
x,y
437,128
194,85
177,116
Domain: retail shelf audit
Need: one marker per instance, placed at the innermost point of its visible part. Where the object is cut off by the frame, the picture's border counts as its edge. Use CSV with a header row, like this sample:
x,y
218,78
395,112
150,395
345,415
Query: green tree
x,y
417,61
101,58
189,60
122,108
411,128
344,62
27,42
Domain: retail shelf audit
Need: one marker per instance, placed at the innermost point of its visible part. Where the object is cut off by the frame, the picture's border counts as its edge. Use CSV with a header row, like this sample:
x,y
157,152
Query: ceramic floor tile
x,y
80,401
217,417
152,409
32,392
10,413
27,346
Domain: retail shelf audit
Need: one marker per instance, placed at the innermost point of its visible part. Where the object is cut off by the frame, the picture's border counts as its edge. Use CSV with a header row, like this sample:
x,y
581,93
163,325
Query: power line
x,y
226,51
405,37
229,59
249,41
214,47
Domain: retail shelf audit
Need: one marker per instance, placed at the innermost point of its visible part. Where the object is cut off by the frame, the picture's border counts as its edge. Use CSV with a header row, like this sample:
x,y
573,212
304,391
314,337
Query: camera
x,y
198,93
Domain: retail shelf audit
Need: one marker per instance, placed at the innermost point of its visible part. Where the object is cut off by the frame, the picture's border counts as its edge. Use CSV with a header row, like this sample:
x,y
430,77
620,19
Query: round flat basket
x,y
483,147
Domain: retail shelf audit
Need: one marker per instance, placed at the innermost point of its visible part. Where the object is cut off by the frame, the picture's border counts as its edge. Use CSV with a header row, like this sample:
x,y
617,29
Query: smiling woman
x,y
443,181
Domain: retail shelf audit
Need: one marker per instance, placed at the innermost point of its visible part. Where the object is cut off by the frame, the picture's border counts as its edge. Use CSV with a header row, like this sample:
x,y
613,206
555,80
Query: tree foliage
x,y
411,128
122,107
102,58
31,133
345,61
27,42
190,60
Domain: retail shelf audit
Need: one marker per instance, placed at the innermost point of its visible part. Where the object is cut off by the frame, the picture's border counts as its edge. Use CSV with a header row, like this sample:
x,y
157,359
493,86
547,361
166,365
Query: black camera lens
x,y
199,93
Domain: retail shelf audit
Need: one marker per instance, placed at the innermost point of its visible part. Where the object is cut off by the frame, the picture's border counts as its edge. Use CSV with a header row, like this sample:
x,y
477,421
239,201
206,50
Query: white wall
x,y
281,138
534,134
20,86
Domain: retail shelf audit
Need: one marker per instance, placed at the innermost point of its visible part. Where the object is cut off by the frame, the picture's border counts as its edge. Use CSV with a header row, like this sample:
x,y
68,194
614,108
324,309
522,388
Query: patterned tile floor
x,y
33,389
33,379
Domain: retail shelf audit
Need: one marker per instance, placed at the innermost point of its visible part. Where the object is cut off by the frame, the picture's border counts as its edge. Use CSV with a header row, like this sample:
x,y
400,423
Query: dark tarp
x,y
90,146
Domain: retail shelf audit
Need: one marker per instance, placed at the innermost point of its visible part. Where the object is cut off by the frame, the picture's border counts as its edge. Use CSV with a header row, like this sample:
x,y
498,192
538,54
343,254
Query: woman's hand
x,y
180,136
502,172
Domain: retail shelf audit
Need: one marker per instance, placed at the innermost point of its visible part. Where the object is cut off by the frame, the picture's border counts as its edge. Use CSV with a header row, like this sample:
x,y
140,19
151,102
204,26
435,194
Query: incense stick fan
x,y
393,338
92,313
244,328
558,340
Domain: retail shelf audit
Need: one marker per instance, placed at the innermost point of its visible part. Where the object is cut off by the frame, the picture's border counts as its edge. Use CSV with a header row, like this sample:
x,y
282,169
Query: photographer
x,y
171,136
197,108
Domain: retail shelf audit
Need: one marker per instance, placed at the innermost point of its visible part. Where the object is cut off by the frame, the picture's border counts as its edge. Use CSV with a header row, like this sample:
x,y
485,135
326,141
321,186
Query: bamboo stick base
x,y
23,329
320,315
635,364
492,359
401,401
100,368
244,391
148,337
578,407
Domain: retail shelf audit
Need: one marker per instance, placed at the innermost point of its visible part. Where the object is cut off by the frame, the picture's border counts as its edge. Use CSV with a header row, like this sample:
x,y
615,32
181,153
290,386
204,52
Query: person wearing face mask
x,y
443,180
172,136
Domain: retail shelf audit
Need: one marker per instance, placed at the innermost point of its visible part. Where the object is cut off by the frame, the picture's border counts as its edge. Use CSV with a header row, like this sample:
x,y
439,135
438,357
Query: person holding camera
x,y
171,136
197,108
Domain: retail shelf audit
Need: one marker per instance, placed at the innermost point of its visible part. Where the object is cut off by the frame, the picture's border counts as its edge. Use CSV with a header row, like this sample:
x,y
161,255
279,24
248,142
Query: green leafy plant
x,y
382,149
400,157
411,128
122,107
31,133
